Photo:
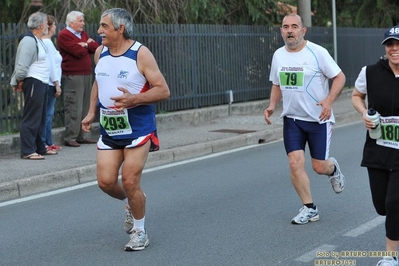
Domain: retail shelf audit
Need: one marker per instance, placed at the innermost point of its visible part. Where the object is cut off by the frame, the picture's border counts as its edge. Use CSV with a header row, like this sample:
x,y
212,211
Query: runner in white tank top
x,y
128,83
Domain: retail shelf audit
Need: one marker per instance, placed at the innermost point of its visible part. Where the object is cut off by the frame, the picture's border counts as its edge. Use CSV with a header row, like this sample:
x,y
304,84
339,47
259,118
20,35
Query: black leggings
x,y
384,187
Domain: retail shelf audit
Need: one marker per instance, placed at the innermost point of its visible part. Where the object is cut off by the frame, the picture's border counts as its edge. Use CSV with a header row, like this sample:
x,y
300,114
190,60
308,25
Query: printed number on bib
x,y
115,122
389,132
291,80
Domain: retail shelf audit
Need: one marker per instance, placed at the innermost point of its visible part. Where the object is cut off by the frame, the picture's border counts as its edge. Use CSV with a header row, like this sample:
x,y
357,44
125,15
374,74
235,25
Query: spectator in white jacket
x,y
55,59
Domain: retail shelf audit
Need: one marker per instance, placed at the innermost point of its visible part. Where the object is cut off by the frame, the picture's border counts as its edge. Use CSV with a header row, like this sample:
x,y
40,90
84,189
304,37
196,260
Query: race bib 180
x,y
389,132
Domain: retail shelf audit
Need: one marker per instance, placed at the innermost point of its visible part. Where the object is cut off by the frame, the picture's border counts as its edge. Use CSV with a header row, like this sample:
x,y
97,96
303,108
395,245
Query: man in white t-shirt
x,y
300,74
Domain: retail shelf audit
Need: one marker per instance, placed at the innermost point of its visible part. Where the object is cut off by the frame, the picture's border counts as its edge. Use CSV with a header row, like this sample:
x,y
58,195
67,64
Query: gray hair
x,y
36,19
73,16
120,16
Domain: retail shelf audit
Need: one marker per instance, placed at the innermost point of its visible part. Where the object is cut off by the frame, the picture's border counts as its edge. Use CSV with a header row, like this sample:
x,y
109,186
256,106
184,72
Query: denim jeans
x,y
46,134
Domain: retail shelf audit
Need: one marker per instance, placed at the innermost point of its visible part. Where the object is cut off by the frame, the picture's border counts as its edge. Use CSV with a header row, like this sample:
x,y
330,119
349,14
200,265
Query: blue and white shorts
x,y
107,143
298,132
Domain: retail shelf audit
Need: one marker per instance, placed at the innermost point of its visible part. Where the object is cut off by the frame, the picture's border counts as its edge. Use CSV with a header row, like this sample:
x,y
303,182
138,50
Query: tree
x,y
248,12
357,13
91,8
242,12
350,13
377,14
10,10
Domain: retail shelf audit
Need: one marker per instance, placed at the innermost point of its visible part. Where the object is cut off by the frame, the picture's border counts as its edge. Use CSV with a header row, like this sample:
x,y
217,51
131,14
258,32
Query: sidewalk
x,y
183,135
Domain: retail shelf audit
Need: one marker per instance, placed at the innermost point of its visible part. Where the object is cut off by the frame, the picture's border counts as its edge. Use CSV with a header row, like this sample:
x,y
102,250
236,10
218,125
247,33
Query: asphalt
x,y
183,135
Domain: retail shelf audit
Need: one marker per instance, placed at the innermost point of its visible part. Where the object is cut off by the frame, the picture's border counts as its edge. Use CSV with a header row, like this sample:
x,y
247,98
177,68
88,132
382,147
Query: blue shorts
x,y
107,143
318,136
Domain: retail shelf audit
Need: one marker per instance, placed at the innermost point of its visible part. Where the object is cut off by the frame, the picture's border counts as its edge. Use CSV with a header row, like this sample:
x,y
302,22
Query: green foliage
x,y
242,12
10,10
377,13
206,12
257,11
350,13
356,13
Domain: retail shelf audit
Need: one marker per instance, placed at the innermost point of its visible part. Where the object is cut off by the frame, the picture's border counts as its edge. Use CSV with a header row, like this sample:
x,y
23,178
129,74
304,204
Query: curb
x,y
43,183
66,178
24,187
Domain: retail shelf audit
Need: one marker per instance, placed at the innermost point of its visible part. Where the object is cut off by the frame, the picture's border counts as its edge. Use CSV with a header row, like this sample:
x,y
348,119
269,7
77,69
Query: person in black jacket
x,y
380,82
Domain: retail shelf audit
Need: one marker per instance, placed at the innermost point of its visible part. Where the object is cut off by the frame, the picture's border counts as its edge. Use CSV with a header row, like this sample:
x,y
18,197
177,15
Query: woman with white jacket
x,y
54,91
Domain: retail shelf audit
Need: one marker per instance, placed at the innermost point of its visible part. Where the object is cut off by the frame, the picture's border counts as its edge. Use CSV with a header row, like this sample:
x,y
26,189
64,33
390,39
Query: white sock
x,y
139,224
125,201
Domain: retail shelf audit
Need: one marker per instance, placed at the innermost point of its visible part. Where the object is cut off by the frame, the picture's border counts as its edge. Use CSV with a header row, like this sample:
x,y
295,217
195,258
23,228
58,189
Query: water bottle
x,y
375,131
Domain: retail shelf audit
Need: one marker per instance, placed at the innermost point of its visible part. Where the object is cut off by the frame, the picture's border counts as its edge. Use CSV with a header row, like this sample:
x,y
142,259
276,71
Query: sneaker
x,y
129,220
306,215
337,179
387,261
138,240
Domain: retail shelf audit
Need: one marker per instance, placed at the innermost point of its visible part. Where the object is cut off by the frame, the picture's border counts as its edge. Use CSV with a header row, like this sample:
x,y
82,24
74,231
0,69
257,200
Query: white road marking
x,y
92,183
360,230
364,228
156,168
46,194
311,255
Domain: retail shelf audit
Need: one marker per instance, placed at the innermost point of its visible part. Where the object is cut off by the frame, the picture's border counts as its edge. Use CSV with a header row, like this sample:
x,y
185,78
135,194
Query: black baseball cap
x,y
392,33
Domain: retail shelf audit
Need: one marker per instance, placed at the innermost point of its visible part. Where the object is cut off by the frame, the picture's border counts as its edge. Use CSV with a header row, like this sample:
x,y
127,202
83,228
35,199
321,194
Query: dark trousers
x,y
76,91
384,187
33,116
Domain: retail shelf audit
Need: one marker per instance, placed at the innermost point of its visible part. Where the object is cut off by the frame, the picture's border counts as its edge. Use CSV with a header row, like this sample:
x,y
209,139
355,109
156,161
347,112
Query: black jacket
x,y
383,96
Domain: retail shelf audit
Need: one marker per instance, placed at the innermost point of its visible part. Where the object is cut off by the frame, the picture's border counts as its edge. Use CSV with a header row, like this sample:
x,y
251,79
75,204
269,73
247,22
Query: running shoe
x,y
306,215
129,220
138,240
387,261
337,179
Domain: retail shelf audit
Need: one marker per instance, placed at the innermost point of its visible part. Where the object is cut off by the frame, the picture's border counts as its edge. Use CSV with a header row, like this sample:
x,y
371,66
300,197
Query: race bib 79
x,y
292,78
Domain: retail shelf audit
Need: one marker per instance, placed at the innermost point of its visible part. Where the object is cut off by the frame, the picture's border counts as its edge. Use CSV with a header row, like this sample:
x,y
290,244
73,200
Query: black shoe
x,y
72,143
87,141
